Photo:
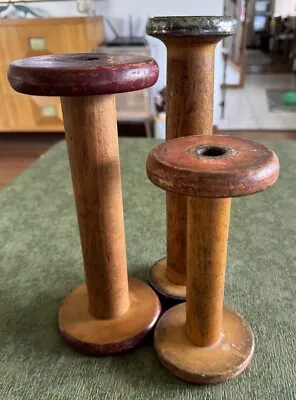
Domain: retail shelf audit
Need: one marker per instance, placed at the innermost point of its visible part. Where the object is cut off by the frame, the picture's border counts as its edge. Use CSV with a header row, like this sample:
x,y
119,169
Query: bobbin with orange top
x,y
201,341
191,42
110,313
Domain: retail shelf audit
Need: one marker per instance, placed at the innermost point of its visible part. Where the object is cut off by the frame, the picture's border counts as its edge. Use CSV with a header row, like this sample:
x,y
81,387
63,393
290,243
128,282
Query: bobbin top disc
x,y
82,74
212,166
191,26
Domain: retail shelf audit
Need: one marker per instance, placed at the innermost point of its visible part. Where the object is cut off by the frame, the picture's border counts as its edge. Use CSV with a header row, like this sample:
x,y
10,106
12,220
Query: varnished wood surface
x,y
82,74
108,336
25,114
91,134
204,365
208,226
190,86
49,21
199,341
212,166
19,151
190,43
59,35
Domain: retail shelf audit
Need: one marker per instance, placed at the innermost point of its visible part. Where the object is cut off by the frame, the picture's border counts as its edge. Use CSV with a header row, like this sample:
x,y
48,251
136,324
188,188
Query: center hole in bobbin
x,y
211,151
89,58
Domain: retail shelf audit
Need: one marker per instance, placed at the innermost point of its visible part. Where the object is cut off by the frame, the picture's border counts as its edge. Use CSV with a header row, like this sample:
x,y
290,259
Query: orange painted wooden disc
x,y
212,166
98,337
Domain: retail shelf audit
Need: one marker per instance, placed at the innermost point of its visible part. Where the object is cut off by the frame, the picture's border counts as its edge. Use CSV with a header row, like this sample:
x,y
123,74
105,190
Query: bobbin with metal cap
x,y
110,313
190,43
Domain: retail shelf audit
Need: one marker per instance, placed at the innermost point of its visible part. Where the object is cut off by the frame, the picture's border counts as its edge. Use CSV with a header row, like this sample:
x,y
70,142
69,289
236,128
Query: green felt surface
x,y
40,262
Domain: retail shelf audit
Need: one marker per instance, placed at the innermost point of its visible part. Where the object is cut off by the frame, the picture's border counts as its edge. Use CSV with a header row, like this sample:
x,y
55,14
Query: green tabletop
x,y
40,262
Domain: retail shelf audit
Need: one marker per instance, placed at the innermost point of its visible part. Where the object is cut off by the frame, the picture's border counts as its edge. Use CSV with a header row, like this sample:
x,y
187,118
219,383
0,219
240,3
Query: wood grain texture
x,y
19,151
190,87
212,166
49,21
82,74
26,114
207,238
189,97
94,336
198,341
203,365
91,134
190,43
60,35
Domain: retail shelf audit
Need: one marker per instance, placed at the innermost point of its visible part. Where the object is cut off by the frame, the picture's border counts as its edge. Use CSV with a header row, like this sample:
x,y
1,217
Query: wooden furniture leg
x,y
108,314
200,341
190,43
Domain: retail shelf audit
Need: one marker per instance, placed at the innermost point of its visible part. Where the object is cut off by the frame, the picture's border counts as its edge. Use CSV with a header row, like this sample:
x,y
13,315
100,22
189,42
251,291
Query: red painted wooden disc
x,y
82,74
212,166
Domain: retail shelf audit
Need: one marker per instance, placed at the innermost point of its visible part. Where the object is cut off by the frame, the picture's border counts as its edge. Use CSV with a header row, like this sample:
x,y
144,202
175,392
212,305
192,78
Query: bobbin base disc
x,y
100,337
204,365
162,285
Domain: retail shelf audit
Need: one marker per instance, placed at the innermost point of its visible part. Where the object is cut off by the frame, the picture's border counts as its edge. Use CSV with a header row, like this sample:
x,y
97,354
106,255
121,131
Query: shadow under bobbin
x,y
190,43
201,341
110,313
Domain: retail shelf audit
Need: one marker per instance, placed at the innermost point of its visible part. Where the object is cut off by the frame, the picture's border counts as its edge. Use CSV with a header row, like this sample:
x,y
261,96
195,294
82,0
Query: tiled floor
x,y
247,108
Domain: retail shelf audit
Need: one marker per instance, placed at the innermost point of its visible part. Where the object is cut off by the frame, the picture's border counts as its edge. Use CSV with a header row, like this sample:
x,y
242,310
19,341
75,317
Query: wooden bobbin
x,y
200,341
109,314
191,43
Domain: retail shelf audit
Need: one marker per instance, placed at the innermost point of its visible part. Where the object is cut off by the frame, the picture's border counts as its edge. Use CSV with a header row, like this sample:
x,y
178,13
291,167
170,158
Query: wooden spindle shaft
x,y
208,226
190,86
176,209
189,99
91,134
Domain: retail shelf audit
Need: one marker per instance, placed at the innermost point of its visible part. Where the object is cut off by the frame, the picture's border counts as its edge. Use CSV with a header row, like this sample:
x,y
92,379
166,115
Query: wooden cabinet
x,y
32,37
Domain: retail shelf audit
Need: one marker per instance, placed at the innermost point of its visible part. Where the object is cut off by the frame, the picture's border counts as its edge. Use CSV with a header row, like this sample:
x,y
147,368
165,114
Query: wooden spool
x,y
201,341
109,314
191,43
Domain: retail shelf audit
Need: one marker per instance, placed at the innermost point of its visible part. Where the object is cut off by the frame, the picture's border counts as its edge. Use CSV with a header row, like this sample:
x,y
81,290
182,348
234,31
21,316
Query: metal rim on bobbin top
x,y
191,26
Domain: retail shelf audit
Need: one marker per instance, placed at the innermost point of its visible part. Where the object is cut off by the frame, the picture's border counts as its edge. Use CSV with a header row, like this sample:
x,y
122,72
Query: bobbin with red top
x,y
111,313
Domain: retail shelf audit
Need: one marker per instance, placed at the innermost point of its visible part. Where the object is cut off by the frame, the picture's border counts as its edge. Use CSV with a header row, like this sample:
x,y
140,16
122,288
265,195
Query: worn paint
x,y
82,74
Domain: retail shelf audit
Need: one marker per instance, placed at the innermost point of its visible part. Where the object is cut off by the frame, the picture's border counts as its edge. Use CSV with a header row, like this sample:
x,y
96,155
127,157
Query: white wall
x,y
285,7
56,8
118,11
164,7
